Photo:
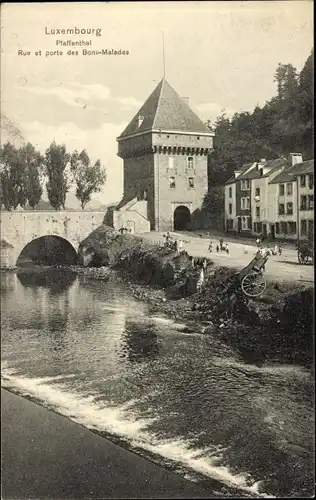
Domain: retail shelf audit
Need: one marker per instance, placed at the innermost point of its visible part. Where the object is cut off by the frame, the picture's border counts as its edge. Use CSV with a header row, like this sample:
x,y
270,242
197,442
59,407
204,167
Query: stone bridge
x,y
20,228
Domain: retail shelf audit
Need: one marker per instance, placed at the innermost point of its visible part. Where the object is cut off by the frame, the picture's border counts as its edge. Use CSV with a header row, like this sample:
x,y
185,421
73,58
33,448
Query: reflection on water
x,y
56,281
94,354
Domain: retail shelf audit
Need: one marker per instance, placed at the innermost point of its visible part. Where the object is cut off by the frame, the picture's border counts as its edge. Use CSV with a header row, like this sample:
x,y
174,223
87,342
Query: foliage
x,y
282,125
12,177
213,203
88,177
58,183
32,164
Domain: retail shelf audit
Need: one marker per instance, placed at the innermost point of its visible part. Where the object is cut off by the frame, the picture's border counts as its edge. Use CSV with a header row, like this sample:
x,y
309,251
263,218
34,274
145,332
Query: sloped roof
x,y
232,179
165,110
271,164
289,174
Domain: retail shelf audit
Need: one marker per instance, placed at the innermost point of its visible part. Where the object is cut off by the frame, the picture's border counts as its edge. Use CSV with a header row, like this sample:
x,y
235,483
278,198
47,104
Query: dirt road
x,y
282,268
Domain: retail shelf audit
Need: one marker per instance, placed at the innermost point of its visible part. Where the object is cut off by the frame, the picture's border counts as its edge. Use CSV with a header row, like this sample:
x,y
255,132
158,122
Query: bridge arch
x,y
48,250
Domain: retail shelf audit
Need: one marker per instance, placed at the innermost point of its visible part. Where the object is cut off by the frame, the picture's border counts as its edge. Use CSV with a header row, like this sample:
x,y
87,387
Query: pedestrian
x,y
280,250
221,241
210,247
226,248
275,250
258,241
217,248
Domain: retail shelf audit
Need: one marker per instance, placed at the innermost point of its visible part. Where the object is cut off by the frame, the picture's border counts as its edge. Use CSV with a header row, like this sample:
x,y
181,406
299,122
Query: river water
x,y
86,349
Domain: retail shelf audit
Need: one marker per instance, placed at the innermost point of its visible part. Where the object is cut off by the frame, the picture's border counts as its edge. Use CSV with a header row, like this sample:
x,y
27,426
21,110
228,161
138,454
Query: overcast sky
x,y
220,54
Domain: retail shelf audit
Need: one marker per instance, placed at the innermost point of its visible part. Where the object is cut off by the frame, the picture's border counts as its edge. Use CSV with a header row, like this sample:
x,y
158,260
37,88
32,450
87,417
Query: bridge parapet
x,y
20,228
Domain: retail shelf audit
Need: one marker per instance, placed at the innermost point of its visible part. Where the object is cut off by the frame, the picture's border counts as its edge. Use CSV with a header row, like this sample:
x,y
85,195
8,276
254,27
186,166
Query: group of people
x,y
221,246
174,244
276,250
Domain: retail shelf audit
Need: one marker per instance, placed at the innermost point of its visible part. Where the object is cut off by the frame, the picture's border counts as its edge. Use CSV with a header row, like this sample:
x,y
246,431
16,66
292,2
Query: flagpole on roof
x,y
163,54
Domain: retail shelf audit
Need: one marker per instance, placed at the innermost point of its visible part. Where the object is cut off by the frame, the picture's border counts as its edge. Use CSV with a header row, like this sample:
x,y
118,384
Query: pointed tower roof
x,y
165,110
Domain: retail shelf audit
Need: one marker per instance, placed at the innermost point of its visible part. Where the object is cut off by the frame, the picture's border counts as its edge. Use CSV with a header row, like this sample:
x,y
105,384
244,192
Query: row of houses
x,y
273,198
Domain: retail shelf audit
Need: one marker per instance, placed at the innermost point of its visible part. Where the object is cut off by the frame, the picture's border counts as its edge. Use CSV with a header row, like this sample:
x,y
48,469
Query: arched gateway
x,y
181,218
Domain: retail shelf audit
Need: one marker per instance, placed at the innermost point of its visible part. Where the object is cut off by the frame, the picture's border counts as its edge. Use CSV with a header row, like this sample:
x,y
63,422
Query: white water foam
x,y
117,421
167,322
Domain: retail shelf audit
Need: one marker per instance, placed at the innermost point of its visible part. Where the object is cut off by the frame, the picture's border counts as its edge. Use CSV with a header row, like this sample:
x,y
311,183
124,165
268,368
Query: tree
x,y
58,183
12,177
283,125
214,200
89,178
33,163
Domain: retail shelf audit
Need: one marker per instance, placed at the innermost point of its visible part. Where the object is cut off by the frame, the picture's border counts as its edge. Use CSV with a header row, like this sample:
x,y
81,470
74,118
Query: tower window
x,y
140,120
190,162
191,182
172,182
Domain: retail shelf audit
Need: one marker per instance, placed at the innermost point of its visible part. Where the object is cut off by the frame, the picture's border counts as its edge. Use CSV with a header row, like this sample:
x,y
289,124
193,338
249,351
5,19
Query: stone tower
x,y
164,149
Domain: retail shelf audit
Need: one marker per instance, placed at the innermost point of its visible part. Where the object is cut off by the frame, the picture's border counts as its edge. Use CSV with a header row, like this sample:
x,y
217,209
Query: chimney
x,y
140,120
186,100
296,158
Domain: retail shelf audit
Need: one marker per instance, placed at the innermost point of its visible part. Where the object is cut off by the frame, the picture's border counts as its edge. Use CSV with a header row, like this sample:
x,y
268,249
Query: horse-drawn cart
x,y
253,283
250,279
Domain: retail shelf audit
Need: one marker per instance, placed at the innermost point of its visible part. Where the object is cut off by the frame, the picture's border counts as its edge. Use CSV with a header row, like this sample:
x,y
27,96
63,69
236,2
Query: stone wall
x,y
167,199
20,228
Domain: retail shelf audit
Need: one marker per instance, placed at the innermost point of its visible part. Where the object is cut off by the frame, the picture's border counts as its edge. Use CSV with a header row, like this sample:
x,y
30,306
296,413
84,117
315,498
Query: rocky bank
x,y
276,326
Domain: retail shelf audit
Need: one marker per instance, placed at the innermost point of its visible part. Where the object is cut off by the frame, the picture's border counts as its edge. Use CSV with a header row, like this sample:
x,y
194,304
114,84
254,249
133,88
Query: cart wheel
x,y
253,284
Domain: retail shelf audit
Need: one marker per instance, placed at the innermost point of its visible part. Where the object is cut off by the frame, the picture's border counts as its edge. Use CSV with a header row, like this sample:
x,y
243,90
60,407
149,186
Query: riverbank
x,y
274,327
46,455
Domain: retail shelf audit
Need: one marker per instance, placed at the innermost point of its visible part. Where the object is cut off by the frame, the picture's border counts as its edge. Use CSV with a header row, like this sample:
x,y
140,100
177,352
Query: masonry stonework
x,y
20,228
164,149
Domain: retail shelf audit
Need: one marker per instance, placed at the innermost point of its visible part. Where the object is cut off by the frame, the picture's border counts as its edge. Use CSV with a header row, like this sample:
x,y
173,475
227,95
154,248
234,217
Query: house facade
x,y
291,201
273,198
164,150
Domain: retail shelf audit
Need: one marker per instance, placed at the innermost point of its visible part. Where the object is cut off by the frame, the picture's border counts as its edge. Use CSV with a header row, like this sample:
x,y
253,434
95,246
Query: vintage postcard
x,y
157,250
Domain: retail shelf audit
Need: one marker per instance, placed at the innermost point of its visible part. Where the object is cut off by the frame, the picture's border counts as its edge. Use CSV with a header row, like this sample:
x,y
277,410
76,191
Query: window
x,y
230,192
281,190
170,162
190,162
303,227
245,203
257,227
283,227
191,182
291,227
303,202
277,228
311,181
289,208
311,202
172,182
281,208
257,191
289,188
248,222
303,180
230,208
257,211
244,184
